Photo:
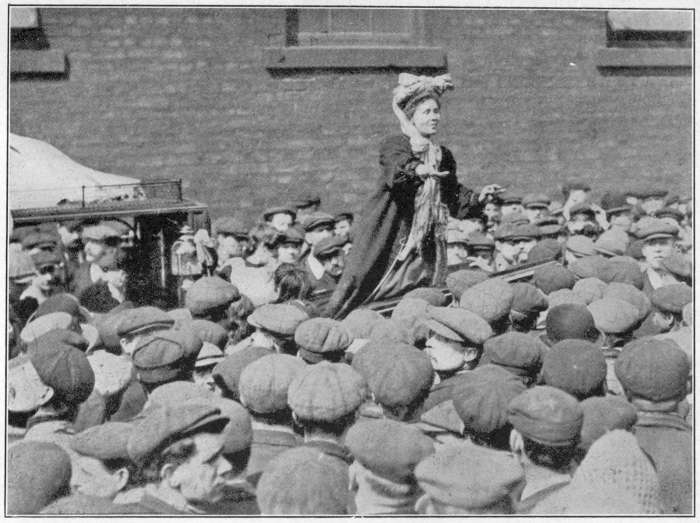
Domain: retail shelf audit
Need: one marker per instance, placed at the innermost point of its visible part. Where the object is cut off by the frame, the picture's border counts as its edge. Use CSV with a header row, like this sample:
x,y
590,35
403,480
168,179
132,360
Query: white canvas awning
x,y
40,175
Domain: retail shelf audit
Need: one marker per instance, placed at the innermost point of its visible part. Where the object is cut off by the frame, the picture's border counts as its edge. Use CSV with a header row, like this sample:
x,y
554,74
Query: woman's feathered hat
x,y
412,89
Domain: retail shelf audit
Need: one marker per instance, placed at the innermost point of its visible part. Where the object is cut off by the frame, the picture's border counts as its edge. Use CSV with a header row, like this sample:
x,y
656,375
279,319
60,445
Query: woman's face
x,y
427,117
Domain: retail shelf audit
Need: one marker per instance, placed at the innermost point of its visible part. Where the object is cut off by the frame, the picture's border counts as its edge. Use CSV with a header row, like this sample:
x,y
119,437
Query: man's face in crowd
x,y
334,264
47,277
288,252
653,204
91,477
484,254
492,212
448,355
317,234
456,253
534,214
281,221
511,208
93,250
203,377
511,250
342,227
202,477
656,250
228,246
578,196
621,220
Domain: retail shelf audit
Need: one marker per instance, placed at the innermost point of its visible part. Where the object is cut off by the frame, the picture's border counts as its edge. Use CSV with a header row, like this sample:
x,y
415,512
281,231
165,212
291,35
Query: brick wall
x,y
183,93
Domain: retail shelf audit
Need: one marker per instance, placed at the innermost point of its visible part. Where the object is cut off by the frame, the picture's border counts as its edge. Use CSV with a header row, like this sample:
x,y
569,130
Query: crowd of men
x,y
569,393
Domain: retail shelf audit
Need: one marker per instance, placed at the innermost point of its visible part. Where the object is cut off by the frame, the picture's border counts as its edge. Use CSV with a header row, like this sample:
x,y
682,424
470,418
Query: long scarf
x,y
430,213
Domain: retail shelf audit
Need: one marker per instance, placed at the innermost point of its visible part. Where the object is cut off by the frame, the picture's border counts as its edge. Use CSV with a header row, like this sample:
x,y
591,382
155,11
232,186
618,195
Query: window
x,y
30,53
355,38
648,41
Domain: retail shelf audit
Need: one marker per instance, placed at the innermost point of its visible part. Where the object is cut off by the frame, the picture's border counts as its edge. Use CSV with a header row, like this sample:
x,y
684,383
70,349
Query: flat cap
x,y
613,202
432,295
516,231
229,225
570,321
396,373
546,249
670,212
536,201
19,265
321,339
237,433
653,369
306,200
329,246
99,233
326,392
208,356
264,382
517,352
492,476
304,481
183,334
678,265
44,258
613,242
279,209
580,245
63,336
515,219
563,296
112,373
459,281
107,441
227,372
527,299
656,228
454,234
575,366
208,293
291,235
547,415
39,239
576,185
62,302
553,277
281,319
159,426
582,208
672,298
158,359
38,472
481,400
623,271
458,324
387,329
210,332
360,321
479,242
613,316
603,414
390,449
317,219
588,266
510,197
590,289
345,215
63,368
139,319
653,192
490,299
46,323
410,313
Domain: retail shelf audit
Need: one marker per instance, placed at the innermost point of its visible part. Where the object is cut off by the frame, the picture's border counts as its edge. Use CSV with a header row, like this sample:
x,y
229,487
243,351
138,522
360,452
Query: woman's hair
x,y
412,104
265,234
292,283
550,457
